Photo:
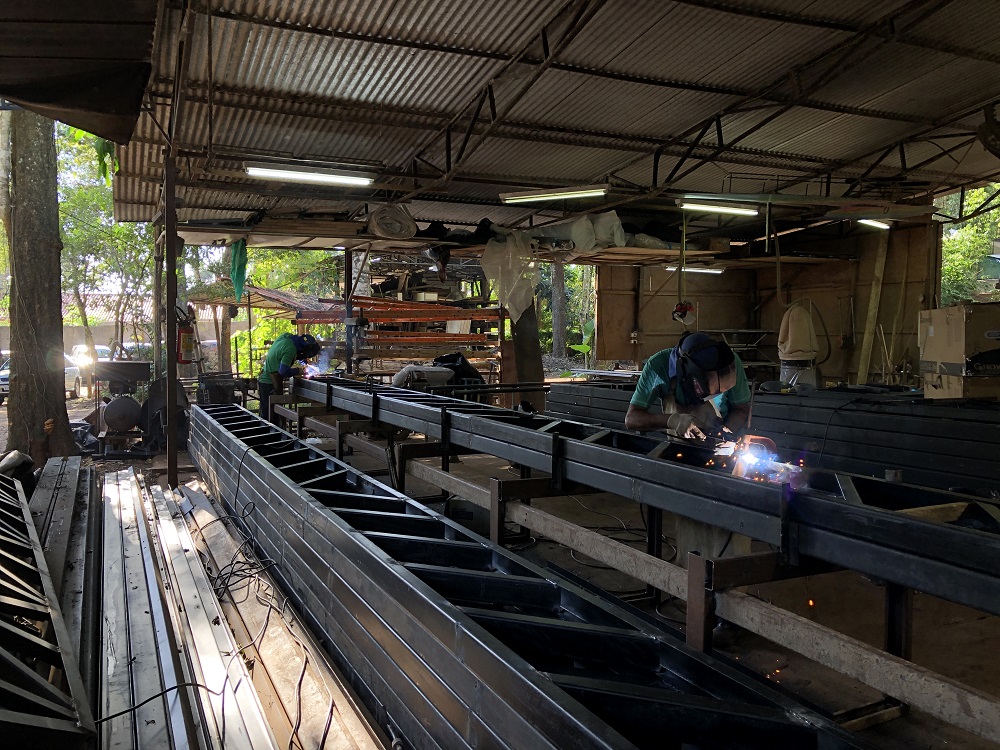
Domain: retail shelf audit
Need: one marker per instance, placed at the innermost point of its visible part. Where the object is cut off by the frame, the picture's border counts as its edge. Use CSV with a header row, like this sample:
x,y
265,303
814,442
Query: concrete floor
x,y
950,639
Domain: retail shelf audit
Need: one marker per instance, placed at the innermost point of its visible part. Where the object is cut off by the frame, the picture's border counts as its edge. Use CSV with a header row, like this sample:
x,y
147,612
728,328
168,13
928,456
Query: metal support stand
x,y
654,546
898,620
504,490
707,575
170,255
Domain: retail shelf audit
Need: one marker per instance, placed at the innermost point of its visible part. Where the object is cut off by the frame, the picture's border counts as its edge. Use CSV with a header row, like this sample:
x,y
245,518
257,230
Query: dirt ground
x,y
77,408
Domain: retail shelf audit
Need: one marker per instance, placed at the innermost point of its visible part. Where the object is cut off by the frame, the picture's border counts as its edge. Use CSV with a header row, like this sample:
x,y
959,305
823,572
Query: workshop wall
x,y
722,301
911,283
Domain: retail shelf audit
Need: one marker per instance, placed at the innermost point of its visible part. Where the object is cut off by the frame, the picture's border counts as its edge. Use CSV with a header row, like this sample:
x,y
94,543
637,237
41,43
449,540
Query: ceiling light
x,y
690,269
307,175
555,194
874,223
711,208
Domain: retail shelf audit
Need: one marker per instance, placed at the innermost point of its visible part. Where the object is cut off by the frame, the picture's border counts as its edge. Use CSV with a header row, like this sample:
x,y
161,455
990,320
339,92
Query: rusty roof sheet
x,y
65,60
807,95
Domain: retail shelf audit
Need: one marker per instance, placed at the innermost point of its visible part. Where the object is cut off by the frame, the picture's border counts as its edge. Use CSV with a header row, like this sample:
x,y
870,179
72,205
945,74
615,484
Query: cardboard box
x,y
961,341
956,386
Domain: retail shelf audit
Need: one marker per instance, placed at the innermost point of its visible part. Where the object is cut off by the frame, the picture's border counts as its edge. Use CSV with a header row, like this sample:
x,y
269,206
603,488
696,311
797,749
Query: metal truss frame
x,y
455,642
830,519
43,701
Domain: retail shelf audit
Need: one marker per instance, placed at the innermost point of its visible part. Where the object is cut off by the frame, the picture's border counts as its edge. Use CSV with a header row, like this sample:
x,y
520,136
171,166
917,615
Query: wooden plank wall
x,y
911,283
722,301
746,299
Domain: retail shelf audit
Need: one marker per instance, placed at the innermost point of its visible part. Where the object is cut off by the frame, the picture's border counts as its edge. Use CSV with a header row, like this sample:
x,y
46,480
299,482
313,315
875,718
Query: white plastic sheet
x,y
579,231
511,268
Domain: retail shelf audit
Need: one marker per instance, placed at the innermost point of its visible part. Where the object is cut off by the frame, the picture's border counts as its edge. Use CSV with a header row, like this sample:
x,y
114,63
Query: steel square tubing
x,y
693,720
332,527
926,432
364,574
960,456
447,552
424,672
738,505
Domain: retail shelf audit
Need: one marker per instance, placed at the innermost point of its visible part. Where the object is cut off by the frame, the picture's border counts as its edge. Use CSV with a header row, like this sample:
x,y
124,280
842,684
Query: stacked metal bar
x,y
944,444
68,523
598,403
853,528
231,715
170,670
43,702
454,642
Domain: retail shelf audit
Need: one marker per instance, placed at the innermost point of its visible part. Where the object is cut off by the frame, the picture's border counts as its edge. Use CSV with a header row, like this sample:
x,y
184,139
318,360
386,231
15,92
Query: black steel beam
x,y
446,638
958,564
43,699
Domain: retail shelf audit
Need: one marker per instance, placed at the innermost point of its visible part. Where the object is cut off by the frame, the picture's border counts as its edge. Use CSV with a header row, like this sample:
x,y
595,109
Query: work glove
x,y
683,425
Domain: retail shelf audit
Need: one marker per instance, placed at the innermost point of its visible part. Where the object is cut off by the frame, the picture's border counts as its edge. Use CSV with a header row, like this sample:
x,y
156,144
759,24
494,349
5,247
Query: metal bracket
x,y
789,537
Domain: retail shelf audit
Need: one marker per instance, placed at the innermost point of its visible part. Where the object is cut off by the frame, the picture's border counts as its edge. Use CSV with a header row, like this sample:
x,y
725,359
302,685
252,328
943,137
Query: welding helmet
x,y
306,345
698,355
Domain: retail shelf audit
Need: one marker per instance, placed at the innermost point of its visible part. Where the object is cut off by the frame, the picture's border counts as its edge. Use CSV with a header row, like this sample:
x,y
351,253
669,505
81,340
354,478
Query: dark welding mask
x,y
697,356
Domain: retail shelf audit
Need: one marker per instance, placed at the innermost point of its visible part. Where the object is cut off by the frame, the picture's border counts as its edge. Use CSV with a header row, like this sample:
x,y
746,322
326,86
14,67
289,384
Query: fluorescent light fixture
x,y
555,194
689,269
308,175
711,208
874,223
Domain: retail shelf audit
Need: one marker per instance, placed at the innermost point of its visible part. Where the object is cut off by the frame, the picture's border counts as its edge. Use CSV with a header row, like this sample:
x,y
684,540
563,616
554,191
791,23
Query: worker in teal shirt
x,y
702,386
278,362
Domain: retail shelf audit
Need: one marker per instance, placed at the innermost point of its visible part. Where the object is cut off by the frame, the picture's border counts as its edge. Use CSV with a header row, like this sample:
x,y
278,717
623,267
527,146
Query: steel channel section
x,y
456,642
33,710
958,564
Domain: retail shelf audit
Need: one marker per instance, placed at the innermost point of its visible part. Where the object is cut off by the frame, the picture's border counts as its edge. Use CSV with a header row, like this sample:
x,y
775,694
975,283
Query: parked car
x,y
81,354
71,374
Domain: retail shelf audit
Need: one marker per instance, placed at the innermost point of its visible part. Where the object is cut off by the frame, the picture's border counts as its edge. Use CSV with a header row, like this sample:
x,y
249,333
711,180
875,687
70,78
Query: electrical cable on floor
x,y
669,600
160,694
826,429
726,545
599,512
249,570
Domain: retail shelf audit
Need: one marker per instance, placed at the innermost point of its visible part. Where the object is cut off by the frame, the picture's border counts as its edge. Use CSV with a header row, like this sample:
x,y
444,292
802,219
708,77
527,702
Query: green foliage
x,y
307,271
588,334
965,245
99,255
580,300
264,330
103,149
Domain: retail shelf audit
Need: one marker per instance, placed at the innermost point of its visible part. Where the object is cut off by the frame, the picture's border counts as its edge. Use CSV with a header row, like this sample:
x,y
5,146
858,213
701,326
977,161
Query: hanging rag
x,y
238,267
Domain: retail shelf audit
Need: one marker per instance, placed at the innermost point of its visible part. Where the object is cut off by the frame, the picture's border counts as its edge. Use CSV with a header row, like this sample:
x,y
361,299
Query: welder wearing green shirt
x,y
701,385
278,361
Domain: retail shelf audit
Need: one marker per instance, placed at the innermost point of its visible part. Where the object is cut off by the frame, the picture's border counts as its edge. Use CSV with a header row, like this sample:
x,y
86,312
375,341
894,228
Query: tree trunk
x,y
86,371
37,415
5,172
558,309
119,322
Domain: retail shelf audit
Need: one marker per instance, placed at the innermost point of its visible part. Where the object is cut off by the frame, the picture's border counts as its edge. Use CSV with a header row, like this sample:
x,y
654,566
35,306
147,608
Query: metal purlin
x,y
818,520
454,642
42,697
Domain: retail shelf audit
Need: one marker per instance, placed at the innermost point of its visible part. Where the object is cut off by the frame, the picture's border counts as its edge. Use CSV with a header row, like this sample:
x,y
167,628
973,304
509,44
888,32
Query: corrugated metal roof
x,y
376,81
65,61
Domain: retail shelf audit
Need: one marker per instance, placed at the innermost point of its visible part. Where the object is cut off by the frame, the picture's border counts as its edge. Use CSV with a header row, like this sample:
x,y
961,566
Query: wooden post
x,y
871,319
528,356
158,310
